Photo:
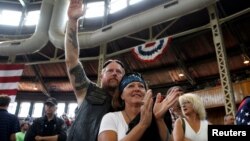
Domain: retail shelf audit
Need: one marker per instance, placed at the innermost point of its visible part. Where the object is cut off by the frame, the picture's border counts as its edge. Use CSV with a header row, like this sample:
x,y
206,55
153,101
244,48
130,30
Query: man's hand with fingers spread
x,y
75,10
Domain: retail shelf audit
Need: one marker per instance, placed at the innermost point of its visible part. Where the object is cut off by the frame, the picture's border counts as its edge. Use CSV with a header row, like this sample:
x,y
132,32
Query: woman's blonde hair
x,y
197,103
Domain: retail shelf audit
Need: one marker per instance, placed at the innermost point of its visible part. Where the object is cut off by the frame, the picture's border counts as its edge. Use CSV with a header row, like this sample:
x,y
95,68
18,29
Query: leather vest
x,y
89,115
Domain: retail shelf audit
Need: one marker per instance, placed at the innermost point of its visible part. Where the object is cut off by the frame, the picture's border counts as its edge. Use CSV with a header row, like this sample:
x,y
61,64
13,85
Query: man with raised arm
x,y
93,101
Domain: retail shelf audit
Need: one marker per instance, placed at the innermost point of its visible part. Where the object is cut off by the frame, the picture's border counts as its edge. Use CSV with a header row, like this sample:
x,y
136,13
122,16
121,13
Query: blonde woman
x,y
194,126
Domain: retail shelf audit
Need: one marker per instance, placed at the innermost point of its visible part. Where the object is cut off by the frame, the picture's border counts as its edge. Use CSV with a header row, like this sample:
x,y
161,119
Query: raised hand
x,y
161,106
146,109
75,10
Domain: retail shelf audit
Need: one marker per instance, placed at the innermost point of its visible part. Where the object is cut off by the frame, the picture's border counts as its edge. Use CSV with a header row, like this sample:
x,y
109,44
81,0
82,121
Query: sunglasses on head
x,y
110,61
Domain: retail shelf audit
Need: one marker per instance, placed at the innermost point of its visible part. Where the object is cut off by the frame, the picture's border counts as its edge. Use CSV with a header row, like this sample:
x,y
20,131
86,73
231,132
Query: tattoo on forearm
x,y
81,80
73,37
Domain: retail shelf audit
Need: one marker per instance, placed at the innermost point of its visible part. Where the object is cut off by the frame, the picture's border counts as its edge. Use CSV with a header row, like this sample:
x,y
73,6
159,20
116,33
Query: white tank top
x,y
201,135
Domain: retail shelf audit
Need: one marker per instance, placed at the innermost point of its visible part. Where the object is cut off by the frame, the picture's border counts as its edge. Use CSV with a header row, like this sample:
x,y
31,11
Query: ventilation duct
x,y
123,27
37,41
57,23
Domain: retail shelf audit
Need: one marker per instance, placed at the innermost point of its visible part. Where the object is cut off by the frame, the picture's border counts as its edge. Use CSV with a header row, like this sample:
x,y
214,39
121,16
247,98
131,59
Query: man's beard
x,y
112,87
113,83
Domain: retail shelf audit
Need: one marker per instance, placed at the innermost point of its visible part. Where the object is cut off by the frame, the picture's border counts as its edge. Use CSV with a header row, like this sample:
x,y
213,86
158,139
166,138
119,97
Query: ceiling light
x,y
246,62
35,88
181,74
245,59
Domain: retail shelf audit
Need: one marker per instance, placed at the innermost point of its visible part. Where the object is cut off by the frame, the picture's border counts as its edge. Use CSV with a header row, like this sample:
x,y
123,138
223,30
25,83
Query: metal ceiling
x,y
192,50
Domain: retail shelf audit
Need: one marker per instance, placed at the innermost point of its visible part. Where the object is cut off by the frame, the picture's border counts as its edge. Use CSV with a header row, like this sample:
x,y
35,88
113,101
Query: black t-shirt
x,y
152,133
43,127
9,124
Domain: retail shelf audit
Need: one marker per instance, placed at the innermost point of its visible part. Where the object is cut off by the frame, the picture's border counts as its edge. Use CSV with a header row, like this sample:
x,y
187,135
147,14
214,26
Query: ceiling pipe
x,y
123,27
37,41
58,23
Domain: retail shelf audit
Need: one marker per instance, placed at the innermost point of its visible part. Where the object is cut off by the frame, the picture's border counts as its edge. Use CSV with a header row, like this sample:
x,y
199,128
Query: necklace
x,y
127,116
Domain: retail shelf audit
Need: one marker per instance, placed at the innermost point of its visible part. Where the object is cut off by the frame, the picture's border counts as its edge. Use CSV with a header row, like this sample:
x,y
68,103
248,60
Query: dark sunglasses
x,y
110,61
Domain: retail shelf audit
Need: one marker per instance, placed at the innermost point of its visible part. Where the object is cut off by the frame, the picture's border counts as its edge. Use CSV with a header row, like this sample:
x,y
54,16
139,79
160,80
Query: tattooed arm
x,y
75,70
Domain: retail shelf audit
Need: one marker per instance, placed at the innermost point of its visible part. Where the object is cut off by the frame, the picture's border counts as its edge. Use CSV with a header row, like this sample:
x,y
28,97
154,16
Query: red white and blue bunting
x,y
149,52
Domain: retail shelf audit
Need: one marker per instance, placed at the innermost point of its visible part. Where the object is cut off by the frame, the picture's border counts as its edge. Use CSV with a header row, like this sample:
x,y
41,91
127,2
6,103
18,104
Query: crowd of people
x,y
123,107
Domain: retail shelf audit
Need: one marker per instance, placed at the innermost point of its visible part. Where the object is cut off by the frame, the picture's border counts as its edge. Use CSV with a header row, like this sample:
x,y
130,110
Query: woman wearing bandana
x,y
137,100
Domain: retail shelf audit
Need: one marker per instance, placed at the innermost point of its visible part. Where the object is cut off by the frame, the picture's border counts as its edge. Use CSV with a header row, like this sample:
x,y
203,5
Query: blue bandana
x,y
129,78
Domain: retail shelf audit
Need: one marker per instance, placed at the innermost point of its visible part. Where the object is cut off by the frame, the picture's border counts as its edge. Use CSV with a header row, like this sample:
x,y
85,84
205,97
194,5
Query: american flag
x,y
243,112
10,75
